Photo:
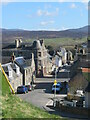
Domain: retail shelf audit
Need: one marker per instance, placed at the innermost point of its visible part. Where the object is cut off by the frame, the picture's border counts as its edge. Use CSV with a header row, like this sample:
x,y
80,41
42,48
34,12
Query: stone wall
x,y
16,82
74,110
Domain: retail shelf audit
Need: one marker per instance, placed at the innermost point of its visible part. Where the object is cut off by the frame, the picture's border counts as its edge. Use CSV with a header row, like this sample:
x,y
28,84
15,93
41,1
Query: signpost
x,y
55,83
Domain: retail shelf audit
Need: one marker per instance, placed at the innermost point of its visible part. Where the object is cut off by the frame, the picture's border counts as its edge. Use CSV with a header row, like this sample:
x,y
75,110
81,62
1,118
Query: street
x,y
42,96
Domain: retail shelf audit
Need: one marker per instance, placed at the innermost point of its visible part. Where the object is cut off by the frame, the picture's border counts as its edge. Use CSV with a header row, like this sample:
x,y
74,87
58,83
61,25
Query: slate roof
x,y
13,66
29,62
22,62
88,88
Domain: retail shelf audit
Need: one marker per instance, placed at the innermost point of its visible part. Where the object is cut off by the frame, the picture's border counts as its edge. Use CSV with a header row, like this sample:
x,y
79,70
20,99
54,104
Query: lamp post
x,y
55,82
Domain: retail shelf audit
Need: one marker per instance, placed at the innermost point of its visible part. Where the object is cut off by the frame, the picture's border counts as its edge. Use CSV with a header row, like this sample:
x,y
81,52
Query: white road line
x,y
49,103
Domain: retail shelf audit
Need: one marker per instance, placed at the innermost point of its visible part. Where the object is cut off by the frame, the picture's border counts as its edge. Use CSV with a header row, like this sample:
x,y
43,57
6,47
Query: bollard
x,y
84,104
54,103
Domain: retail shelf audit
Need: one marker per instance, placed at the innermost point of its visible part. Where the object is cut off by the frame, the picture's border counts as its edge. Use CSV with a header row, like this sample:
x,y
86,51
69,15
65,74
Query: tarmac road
x,y
42,96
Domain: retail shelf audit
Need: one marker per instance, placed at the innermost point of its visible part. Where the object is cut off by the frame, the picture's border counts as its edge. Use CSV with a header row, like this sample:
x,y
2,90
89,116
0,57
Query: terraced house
x,y
43,63
27,68
14,75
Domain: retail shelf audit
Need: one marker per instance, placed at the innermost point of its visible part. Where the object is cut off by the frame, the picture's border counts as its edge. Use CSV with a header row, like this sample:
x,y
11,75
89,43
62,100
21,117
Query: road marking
x,y
49,103
61,95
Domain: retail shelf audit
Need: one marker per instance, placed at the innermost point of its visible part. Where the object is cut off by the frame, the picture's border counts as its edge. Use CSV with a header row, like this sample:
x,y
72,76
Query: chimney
x,y
42,42
20,41
13,58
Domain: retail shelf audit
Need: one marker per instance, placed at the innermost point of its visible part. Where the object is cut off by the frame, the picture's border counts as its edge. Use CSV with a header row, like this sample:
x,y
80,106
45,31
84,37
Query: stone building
x,y
42,60
58,61
43,63
69,56
14,75
63,53
83,55
27,68
68,71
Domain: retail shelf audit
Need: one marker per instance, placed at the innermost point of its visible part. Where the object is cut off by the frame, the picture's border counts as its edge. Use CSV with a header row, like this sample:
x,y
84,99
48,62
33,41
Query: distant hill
x,y
10,34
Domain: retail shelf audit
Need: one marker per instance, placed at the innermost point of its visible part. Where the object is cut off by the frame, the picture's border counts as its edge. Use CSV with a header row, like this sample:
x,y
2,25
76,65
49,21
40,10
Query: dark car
x,y
22,89
29,87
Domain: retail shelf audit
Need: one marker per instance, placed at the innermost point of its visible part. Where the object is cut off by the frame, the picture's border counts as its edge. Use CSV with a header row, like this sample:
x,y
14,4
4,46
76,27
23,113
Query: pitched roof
x,y
22,62
13,66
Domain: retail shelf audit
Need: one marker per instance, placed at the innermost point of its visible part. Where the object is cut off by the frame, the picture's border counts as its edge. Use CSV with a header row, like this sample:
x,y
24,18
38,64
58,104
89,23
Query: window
x,y
39,62
39,54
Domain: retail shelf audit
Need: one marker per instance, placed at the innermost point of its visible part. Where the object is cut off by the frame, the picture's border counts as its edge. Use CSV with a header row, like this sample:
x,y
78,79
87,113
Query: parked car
x,y
22,89
58,87
29,87
60,84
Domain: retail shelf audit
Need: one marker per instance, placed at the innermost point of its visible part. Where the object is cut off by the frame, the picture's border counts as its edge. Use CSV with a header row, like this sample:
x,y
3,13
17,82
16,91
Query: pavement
x,y
51,79
42,97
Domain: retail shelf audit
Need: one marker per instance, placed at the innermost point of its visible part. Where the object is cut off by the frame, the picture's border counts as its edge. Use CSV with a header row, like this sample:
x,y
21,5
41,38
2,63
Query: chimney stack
x,y
13,58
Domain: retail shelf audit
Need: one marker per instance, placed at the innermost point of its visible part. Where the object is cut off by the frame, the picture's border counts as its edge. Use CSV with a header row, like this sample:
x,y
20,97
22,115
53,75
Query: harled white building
x,y
14,75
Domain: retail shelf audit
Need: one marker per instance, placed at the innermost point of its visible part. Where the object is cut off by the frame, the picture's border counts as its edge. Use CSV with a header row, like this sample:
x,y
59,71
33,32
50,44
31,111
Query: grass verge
x,y
14,107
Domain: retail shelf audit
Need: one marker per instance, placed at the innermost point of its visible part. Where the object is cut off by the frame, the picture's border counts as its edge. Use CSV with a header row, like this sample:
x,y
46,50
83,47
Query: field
x,y
56,42
14,107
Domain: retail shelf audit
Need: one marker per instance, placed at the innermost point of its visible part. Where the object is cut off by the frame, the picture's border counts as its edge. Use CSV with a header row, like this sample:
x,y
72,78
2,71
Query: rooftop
x,y
88,88
22,62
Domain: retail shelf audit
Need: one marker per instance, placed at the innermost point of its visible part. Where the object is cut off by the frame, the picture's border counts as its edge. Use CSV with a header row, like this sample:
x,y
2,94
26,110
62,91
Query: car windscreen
x,y
21,87
57,86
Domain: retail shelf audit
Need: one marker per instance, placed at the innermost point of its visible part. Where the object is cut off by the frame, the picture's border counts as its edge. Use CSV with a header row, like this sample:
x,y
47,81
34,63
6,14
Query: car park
x,y
22,89
29,87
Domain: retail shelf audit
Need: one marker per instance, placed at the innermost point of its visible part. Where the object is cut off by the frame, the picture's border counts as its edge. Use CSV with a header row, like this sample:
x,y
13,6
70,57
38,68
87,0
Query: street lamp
x,y
55,82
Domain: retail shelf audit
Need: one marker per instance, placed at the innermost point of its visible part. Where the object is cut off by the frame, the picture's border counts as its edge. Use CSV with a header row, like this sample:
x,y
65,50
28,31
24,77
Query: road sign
x,y
55,82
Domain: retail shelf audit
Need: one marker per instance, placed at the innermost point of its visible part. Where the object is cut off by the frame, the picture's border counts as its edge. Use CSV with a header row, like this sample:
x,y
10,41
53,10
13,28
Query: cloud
x,y
73,5
39,12
64,28
42,12
43,23
45,1
7,1
61,0
47,12
85,1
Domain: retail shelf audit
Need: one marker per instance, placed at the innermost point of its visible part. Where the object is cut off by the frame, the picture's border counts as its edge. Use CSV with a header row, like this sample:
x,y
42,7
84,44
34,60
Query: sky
x,y
44,15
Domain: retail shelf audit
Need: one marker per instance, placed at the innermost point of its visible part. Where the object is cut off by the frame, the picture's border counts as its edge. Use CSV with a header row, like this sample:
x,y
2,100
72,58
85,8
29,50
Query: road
x,y
41,96
47,79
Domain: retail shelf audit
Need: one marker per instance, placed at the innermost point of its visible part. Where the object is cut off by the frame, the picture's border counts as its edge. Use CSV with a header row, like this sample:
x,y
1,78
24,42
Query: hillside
x,y
14,107
10,34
